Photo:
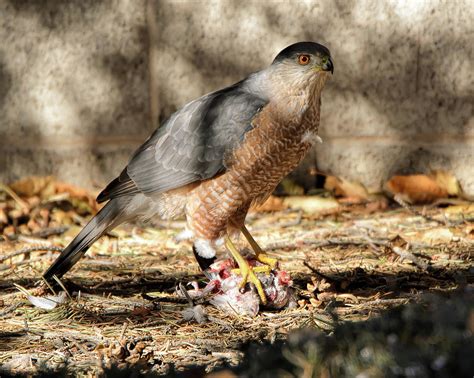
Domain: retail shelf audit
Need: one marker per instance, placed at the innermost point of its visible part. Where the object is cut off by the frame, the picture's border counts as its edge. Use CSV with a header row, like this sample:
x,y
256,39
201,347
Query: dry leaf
x,y
460,209
379,203
140,311
323,285
273,203
9,231
416,189
437,236
3,217
46,187
310,204
34,186
302,303
447,181
398,241
315,303
345,188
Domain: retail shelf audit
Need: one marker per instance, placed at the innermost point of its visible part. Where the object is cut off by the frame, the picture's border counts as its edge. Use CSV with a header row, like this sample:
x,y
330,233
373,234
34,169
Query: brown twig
x,y
9,309
30,249
44,233
407,255
388,301
407,206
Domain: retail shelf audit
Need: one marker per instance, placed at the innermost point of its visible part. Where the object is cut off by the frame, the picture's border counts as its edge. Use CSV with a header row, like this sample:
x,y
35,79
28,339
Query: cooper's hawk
x,y
216,156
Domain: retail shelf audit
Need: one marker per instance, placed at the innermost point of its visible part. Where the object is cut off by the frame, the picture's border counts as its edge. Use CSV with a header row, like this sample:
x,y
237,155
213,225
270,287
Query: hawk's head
x,y
301,67
305,56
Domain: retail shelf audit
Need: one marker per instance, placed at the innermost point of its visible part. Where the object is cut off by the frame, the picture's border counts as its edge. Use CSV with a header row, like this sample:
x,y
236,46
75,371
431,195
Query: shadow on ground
x,y
433,338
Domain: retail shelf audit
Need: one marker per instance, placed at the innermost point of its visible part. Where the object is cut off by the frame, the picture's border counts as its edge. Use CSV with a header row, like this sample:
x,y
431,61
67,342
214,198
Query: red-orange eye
x,y
303,59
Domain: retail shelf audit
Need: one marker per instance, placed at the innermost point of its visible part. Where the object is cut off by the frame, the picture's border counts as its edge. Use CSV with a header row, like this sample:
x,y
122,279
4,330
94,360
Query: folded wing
x,y
190,146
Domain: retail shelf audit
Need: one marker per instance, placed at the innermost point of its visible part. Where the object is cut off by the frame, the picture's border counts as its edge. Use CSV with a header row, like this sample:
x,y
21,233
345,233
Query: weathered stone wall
x,y
75,99
73,87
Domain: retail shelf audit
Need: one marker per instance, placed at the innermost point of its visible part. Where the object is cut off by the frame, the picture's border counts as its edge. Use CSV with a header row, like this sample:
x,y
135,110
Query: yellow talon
x,y
259,254
267,260
256,269
247,272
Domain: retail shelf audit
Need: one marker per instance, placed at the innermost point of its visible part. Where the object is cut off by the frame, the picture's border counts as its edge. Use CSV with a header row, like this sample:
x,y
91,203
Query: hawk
x,y
215,157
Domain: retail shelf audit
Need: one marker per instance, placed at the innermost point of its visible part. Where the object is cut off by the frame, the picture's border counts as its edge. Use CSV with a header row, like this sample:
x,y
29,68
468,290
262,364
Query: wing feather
x,y
191,145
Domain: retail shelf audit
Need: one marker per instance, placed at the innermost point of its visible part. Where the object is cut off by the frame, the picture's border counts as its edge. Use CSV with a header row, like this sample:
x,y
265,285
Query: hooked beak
x,y
328,66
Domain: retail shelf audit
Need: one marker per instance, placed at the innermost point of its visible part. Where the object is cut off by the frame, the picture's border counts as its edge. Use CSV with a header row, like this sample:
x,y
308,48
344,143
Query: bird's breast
x,y
272,149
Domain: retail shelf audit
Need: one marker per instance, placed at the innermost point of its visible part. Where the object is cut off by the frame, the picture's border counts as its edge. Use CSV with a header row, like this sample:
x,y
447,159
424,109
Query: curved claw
x,y
250,276
248,272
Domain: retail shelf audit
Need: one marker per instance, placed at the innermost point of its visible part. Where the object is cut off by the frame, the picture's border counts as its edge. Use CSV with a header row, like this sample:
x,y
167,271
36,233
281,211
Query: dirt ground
x,y
348,263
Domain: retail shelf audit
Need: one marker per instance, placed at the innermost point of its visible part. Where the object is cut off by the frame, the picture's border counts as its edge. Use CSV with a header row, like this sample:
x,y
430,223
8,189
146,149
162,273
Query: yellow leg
x,y
247,272
259,254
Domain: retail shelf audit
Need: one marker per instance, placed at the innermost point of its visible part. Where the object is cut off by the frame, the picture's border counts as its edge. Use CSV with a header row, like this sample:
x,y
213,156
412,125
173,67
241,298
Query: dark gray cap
x,y
302,48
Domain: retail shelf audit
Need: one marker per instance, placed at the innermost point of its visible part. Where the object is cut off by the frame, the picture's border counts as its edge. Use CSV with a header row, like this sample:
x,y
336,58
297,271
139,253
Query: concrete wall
x,y
73,87
75,99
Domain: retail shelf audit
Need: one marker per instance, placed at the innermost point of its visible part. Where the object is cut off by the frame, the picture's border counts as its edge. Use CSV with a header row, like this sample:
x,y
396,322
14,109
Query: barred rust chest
x,y
272,149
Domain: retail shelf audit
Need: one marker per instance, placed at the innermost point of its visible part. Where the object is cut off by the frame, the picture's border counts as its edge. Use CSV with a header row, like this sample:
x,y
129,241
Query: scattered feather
x,y
47,302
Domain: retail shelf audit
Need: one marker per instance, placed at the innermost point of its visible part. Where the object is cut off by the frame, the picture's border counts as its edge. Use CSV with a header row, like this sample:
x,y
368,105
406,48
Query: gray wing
x,y
190,146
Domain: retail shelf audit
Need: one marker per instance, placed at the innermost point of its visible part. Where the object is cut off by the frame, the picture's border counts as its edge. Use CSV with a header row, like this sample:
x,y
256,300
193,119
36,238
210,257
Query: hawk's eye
x,y
303,59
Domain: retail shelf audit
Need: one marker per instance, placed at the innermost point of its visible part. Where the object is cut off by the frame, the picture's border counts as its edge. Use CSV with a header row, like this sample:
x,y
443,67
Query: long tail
x,y
110,216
